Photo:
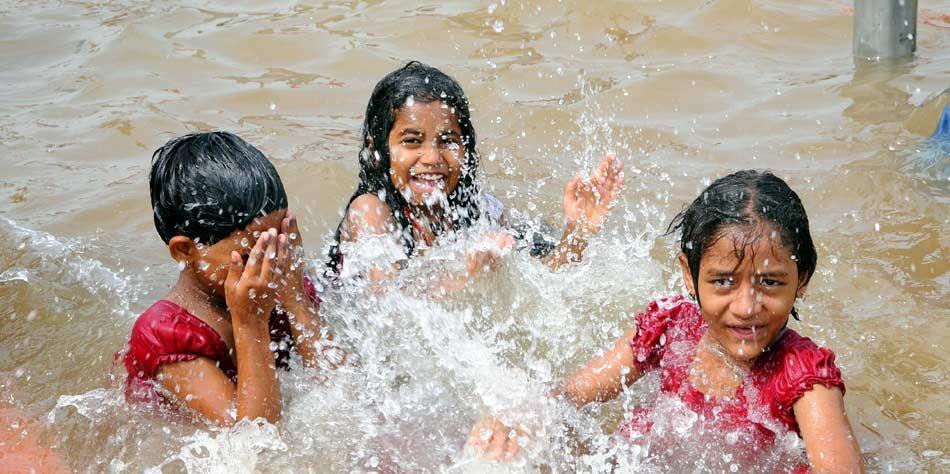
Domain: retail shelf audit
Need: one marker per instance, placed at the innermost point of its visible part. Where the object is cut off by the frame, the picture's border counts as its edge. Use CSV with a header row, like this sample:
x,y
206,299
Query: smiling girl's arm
x,y
829,441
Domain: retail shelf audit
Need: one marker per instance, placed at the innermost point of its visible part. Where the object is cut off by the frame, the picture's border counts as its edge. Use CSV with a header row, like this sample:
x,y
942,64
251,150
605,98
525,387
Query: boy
x,y
214,342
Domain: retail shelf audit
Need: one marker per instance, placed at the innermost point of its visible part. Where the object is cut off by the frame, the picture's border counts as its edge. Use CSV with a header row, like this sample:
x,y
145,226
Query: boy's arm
x,y
829,441
586,206
200,385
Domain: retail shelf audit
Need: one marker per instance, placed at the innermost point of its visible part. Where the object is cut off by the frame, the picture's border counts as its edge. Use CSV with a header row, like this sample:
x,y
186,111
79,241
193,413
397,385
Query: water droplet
x,y
498,26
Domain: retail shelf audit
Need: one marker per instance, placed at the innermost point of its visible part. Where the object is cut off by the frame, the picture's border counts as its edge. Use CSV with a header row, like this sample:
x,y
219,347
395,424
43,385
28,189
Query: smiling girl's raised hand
x,y
587,203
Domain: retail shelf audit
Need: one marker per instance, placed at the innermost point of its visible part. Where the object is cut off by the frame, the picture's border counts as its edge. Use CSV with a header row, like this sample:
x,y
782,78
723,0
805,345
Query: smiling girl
x,y
418,183
726,353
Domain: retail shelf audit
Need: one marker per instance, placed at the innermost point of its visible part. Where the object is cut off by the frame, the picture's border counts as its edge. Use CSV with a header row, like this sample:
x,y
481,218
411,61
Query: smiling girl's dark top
x,y
668,332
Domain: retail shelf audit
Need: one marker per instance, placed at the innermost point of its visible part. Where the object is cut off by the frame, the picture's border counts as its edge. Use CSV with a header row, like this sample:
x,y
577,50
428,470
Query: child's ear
x,y
687,274
182,249
803,282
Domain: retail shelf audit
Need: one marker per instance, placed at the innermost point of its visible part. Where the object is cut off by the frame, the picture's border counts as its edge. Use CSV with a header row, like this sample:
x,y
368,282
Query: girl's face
x,y
426,150
746,302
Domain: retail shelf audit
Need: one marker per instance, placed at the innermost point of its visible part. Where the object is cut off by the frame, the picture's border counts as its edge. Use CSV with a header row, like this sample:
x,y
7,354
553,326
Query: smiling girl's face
x,y
746,301
426,151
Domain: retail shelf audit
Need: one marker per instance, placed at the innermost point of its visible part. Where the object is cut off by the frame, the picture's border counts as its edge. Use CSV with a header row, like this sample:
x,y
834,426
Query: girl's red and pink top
x,y
668,333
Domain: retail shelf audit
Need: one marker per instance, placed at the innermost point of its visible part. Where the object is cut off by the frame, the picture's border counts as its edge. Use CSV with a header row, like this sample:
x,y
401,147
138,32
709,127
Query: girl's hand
x,y
488,252
250,290
492,440
587,203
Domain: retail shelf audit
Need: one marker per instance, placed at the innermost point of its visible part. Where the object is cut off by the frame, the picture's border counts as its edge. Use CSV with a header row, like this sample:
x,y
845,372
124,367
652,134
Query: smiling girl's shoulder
x,y
367,214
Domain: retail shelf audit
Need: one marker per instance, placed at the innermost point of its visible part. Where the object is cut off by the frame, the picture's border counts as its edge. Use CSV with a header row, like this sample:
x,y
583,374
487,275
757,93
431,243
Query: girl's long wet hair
x,y
423,84
746,198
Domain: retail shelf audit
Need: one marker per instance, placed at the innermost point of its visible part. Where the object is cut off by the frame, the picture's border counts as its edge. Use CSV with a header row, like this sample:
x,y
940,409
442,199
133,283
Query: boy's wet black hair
x,y
205,186
746,198
424,84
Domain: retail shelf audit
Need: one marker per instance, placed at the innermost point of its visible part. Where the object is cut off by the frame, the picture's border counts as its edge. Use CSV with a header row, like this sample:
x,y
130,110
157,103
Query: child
x,y
726,353
418,176
214,342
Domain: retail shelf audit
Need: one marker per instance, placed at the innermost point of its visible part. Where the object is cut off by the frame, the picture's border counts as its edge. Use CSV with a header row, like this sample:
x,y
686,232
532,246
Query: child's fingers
x,y
496,448
235,269
283,252
511,450
603,167
255,258
270,255
572,186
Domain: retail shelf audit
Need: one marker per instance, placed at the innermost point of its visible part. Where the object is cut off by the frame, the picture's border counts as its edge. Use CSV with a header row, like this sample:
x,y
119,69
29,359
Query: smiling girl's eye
x,y
411,141
770,282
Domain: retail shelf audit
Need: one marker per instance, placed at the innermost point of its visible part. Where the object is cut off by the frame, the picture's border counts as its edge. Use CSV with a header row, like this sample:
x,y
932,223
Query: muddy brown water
x,y
684,91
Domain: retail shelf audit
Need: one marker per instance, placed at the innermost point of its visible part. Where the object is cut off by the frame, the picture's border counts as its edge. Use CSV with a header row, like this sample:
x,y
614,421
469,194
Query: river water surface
x,y
683,90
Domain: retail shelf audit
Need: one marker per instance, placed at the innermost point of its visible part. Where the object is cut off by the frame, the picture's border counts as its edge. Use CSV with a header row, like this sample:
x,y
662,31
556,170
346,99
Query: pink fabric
x,y
667,335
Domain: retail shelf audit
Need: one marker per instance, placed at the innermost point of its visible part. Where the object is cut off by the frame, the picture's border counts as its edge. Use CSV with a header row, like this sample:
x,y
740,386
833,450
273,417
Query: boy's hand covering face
x,y
250,289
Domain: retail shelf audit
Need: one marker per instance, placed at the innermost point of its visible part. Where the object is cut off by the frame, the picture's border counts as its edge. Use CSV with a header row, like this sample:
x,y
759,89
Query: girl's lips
x,y
745,332
427,182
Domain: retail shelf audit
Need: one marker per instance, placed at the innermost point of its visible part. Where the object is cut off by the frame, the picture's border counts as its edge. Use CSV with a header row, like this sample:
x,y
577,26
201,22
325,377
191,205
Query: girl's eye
x,y
770,283
411,141
723,282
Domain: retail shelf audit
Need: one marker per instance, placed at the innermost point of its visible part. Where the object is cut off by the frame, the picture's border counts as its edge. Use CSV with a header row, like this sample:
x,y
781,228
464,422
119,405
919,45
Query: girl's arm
x,y
586,206
200,385
604,376
370,217
600,380
829,441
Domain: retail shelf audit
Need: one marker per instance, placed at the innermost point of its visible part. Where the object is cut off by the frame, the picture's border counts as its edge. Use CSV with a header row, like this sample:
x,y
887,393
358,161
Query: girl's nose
x,y
747,302
432,155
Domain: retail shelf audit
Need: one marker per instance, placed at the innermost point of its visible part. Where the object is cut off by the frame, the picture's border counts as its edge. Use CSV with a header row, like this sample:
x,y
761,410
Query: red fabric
x,y
667,335
167,333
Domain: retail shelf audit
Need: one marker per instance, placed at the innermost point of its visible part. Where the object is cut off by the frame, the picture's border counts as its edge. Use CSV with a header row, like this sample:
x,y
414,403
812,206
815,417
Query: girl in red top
x,y
725,354
214,343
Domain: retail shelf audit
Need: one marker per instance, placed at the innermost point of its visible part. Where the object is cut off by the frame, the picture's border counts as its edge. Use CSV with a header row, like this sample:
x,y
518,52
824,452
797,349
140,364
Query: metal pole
x,y
884,28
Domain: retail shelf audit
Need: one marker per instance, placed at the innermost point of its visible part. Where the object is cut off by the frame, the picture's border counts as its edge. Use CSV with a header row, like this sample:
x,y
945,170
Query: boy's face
x,y
212,261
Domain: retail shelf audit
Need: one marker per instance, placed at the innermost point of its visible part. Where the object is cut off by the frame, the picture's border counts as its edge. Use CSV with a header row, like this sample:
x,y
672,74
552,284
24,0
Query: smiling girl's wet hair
x,y
421,84
749,199
207,185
